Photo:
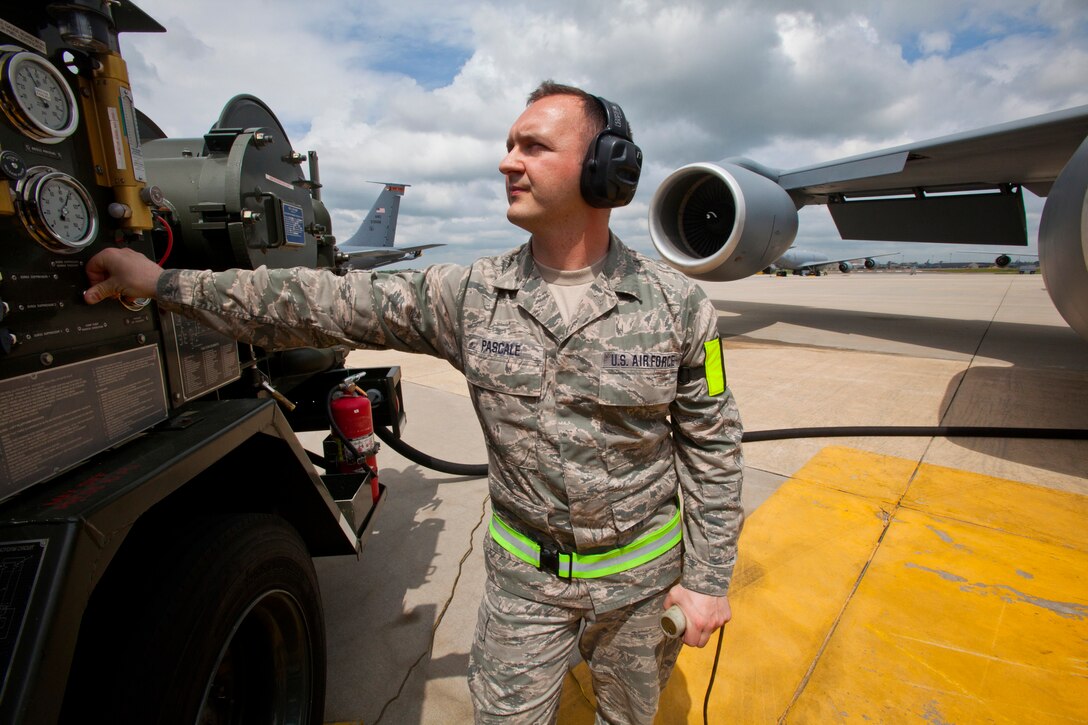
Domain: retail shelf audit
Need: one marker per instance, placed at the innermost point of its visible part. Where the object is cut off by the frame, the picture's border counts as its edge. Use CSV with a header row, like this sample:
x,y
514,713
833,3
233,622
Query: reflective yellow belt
x,y
572,565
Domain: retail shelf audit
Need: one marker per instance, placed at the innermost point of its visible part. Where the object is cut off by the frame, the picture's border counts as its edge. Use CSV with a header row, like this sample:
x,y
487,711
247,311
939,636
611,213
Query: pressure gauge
x,y
37,98
57,210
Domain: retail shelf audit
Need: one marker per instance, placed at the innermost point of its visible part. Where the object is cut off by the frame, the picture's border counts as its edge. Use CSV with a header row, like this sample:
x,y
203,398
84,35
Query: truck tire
x,y
228,629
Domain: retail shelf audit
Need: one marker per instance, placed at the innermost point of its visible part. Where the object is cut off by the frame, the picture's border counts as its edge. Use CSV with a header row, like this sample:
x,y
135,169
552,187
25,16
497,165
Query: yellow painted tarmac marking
x,y
957,623
966,602
1060,517
875,476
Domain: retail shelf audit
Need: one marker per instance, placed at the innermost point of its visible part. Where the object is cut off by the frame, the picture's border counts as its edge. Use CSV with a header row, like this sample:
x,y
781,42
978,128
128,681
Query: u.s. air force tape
x,y
713,369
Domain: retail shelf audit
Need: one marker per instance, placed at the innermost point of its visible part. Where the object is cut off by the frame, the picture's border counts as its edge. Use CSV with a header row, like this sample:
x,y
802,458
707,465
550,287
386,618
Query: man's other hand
x,y
704,613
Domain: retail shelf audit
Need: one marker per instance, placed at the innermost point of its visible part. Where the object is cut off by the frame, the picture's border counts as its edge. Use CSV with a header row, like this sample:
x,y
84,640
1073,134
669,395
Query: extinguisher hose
x,y
476,470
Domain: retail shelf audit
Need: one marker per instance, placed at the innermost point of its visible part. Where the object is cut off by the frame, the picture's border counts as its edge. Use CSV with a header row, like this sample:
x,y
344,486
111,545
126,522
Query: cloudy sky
x,y
424,91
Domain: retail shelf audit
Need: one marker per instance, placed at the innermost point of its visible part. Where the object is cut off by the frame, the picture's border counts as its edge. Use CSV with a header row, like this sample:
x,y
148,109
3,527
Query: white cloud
x,y
937,42
785,82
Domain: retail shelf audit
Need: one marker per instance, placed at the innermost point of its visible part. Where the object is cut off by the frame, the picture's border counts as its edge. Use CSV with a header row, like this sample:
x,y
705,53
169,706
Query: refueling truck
x,y
158,515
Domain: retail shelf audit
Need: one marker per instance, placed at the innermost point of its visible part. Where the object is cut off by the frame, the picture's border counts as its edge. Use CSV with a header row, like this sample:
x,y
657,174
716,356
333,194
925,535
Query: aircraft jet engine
x,y
721,222
1063,242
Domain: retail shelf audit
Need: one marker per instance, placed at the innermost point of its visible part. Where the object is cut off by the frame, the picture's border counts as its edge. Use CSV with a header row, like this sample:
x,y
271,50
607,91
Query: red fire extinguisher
x,y
352,415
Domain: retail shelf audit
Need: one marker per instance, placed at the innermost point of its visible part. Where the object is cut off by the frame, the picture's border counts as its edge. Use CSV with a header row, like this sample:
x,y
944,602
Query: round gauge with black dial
x,y
57,210
37,98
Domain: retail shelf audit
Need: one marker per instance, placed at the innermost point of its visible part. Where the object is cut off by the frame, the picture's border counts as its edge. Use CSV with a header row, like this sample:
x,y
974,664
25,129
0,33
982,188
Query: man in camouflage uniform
x,y
595,373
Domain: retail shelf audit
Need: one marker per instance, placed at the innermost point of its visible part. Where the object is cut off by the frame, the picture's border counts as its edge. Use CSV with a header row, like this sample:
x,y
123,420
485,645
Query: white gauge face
x,y
58,211
64,211
41,100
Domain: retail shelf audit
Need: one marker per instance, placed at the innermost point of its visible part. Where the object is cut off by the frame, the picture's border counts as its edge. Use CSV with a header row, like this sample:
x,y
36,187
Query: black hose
x,y
713,674
918,431
756,436
477,470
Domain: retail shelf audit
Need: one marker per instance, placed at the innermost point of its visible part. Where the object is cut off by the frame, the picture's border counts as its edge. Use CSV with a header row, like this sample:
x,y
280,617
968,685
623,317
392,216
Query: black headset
x,y
613,162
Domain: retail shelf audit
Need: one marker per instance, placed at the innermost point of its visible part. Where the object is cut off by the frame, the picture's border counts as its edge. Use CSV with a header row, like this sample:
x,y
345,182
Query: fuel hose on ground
x,y
756,436
476,470
916,431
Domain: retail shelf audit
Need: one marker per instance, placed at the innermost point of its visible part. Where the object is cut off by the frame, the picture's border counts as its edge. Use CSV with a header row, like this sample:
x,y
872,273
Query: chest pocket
x,y
507,379
637,386
505,366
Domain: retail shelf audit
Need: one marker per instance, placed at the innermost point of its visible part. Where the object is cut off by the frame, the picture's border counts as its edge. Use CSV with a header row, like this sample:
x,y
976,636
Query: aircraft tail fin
x,y
380,226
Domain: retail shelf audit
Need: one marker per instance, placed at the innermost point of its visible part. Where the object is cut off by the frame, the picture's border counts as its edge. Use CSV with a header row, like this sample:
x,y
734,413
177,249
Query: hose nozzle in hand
x,y
673,622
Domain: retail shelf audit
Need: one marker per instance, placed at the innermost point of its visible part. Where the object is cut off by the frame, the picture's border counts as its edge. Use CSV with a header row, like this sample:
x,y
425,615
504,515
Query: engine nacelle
x,y
1063,242
1003,261
845,267
870,263
721,222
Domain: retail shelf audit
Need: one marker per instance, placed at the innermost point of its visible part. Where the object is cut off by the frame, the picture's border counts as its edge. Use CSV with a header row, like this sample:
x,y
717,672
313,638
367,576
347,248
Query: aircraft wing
x,y
371,257
1030,152
899,194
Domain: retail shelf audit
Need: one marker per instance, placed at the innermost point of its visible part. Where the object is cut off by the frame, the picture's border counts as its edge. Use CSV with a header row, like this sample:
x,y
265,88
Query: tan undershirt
x,y
568,287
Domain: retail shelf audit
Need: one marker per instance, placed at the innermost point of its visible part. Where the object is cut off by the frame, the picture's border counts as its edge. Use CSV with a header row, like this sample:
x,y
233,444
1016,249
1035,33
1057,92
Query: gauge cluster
x,y
56,192
39,104
82,170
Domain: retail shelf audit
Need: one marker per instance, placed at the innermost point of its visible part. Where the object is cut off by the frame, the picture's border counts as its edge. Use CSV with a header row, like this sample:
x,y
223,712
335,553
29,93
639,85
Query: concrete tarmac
x,y
864,349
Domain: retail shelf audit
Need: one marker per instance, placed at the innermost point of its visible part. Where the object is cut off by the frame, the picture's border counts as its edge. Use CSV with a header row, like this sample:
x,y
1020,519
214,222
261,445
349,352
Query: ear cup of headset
x,y
613,163
611,171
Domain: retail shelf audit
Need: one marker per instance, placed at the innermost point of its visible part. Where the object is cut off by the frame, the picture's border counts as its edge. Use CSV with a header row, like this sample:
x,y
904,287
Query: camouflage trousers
x,y
522,650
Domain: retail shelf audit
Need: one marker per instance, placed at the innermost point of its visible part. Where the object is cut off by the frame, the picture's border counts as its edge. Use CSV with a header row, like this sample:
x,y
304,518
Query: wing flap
x,y
996,218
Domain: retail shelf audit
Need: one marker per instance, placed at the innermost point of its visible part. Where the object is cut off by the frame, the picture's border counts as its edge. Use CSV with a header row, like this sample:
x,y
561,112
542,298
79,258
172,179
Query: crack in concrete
x,y
441,615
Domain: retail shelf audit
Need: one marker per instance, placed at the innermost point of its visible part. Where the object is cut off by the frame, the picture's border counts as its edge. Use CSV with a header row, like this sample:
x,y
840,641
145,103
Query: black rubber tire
x,y
231,631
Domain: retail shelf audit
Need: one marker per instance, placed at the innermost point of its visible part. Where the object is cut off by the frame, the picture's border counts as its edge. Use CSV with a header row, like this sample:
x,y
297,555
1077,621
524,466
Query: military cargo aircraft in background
x,y
803,262
1004,259
730,219
372,244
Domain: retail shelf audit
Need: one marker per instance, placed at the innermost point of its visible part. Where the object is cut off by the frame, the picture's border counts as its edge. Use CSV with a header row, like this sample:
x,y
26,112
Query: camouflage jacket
x,y
590,434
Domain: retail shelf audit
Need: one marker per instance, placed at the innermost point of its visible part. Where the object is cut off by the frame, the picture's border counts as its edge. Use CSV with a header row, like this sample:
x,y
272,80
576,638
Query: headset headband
x,y
615,120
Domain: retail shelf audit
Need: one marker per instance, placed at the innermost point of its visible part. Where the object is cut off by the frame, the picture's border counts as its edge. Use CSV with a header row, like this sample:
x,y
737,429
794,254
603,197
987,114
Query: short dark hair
x,y
594,111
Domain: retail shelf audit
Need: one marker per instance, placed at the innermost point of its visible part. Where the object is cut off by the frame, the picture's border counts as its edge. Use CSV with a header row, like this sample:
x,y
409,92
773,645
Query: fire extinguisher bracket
x,y
310,397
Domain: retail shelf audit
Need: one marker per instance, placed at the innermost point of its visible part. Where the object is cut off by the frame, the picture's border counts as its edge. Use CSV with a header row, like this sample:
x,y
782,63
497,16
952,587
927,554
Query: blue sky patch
x,y
968,38
431,65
